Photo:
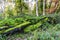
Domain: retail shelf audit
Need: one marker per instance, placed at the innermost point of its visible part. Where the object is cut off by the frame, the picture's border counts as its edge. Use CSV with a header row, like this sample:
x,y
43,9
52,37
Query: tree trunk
x,y
36,7
43,7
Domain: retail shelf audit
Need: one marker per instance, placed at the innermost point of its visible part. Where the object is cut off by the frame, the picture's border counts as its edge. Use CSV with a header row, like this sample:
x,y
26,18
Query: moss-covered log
x,y
35,26
3,27
18,26
32,27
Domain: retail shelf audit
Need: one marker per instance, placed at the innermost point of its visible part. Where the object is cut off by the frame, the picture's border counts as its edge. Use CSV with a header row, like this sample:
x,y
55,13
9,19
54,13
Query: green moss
x,y
18,26
4,27
32,27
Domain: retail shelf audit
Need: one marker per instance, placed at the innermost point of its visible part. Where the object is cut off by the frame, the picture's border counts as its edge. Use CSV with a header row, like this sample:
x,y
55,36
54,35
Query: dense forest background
x,y
30,20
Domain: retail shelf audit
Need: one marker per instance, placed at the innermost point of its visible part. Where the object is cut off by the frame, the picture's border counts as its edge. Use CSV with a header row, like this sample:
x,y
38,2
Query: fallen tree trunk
x,y
35,26
18,26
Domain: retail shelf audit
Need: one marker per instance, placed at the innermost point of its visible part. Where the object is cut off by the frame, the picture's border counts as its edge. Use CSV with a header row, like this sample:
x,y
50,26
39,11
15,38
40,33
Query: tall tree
x,y
44,7
36,7
40,7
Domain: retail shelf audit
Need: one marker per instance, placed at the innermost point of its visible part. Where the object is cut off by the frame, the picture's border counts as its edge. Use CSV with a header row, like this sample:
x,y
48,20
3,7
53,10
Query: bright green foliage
x,y
31,23
7,22
42,27
34,20
20,6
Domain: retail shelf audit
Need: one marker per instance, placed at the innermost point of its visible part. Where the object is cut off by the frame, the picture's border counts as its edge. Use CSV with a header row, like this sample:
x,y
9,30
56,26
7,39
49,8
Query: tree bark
x,y
43,7
36,7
